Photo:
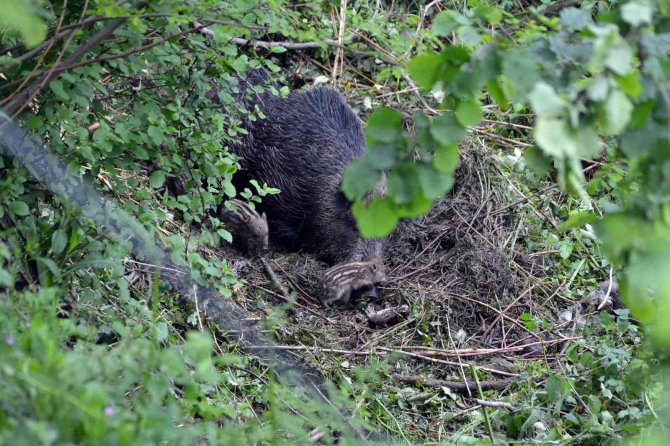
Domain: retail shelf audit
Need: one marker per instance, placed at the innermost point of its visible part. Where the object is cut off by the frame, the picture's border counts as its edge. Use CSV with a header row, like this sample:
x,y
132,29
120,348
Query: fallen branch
x,y
500,404
288,45
491,351
275,280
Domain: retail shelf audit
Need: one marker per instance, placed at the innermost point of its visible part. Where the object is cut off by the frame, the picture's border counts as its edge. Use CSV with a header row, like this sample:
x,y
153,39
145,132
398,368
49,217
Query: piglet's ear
x,y
264,217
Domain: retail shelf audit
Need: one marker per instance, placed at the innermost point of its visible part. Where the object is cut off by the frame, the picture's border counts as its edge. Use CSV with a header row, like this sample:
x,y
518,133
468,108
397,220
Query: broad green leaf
x,y
546,102
574,19
382,156
377,219
469,113
646,290
553,137
433,183
58,241
34,123
425,69
50,265
359,178
618,111
468,35
565,249
403,183
578,219
446,130
598,89
637,12
227,236
620,59
19,208
21,17
520,68
630,84
446,22
156,134
497,94
446,158
419,206
157,179
57,87
537,161
492,15
557,139
6,279
384,125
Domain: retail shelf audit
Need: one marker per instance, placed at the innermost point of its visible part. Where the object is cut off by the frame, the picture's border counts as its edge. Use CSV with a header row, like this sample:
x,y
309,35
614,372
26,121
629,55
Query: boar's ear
x,y
264,217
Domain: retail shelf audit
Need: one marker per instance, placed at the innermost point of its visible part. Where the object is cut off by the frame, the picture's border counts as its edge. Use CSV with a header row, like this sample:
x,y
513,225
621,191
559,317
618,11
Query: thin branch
x,y
288,45
68,63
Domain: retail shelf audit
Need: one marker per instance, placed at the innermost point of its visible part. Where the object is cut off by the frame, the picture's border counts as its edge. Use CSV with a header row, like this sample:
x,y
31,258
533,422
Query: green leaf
x,y
491,14
377,219
546,102
598,88
618,110
469,113
382,156
630,84
446,130
637,12
537,161
225,235
156,134
198,346
403,185
574,19
419,206
553,137
577,220
557,139
565,249
57,87
21,17
359,178
520,68
620,59
157,179
34,123
384,125
425,68
469,35
446,22
59,240
497,94
433,183
446,158
6,279
50,265
19,208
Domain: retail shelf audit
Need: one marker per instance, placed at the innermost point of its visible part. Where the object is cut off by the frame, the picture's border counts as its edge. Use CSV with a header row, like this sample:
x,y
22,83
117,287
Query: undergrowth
x,y
96,349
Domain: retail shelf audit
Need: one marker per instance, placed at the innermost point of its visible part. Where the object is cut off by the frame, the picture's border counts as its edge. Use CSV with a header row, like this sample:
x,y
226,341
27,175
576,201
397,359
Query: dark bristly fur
x,y
302,146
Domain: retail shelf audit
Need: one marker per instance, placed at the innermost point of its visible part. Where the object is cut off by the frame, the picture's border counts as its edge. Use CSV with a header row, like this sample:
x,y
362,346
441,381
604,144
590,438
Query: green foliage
x,y
22,18
91,357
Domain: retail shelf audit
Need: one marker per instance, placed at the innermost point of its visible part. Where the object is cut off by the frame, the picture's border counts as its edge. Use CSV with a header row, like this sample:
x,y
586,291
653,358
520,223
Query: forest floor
x,y
478,301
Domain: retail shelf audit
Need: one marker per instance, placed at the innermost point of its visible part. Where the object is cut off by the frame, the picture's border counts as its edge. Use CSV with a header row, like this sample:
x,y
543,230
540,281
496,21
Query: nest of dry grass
x,y
457,268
